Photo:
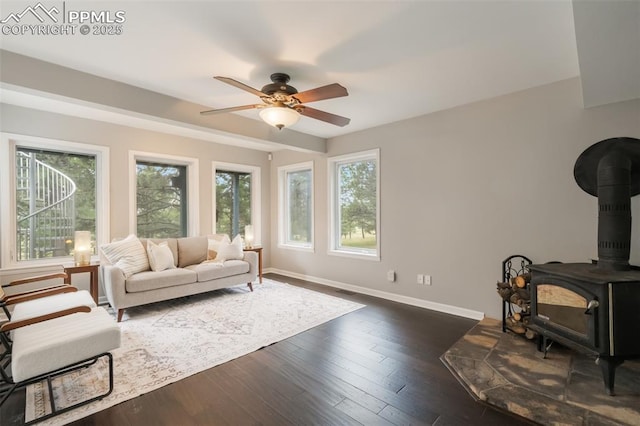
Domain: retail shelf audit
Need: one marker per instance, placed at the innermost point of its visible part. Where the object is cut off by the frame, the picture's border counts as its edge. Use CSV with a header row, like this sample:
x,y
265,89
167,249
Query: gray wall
x,y
463,189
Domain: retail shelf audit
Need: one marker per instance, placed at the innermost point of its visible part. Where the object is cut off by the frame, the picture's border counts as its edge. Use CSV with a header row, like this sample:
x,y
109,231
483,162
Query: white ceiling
x,y
398,59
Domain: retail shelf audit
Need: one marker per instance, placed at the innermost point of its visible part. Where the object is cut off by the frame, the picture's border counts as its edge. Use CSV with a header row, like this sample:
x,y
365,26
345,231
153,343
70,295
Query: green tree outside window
x,y
357,193
161,200
233,202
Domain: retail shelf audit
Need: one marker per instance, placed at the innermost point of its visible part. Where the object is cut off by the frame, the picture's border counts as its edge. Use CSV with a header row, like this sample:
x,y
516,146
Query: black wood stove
x,y
595,307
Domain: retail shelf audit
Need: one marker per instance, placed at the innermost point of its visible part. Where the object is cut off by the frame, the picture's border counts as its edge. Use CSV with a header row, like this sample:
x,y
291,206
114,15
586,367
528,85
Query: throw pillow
x,y
128,255
160,256
230,251
191,251
214,242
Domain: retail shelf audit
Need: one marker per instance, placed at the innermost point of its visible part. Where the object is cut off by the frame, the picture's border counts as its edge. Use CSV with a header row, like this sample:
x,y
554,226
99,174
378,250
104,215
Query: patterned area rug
x,y
566,388
168,341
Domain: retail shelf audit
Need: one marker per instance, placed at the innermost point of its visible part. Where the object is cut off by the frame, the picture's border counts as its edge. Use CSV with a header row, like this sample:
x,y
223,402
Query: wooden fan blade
x,y
324,116
319,93
239,85
230,109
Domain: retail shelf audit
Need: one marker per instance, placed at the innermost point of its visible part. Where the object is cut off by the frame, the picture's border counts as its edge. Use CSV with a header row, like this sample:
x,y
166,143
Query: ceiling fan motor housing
x,y
279,85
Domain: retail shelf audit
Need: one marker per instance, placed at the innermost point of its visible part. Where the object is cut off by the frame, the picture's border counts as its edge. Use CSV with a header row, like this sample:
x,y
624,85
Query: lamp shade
x,y
82,248
279,117
248,236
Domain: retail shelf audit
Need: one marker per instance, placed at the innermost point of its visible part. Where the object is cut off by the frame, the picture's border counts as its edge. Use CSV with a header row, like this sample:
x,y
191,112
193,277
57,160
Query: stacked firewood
x,y
516,292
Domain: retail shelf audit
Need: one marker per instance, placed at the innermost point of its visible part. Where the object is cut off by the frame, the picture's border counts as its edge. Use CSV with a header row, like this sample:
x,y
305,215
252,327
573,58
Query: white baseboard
x,y
421,303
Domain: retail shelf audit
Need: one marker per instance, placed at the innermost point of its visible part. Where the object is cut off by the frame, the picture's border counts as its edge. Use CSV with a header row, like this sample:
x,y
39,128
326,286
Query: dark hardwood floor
x,y
377,366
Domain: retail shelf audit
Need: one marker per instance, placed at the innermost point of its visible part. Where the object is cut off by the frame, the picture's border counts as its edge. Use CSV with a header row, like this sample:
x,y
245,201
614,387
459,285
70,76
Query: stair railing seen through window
x,y
55,196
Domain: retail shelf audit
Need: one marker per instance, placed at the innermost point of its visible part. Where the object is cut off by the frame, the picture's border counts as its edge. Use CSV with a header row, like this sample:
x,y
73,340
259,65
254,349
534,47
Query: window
x,y
233,202
161,200
355,204
57,188
237,199
295,193
160,195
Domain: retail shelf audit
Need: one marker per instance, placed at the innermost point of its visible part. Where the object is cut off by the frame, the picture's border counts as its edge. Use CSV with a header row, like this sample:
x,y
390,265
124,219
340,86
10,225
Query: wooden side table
x,y
259,251
92,269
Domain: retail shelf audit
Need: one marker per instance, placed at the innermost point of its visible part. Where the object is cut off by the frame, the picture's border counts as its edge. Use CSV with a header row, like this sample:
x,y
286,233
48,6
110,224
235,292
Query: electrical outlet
x,y
391,275
420,279
427,279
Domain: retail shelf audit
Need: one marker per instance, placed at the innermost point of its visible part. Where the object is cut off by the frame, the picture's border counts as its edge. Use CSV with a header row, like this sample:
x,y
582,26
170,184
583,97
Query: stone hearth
x,y
506,371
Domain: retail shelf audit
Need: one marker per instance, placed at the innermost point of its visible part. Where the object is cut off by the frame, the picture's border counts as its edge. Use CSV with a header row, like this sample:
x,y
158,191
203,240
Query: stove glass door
x,y
562,307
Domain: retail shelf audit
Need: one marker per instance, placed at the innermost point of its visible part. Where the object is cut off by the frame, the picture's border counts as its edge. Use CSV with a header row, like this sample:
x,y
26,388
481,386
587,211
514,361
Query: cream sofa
x,y
193,272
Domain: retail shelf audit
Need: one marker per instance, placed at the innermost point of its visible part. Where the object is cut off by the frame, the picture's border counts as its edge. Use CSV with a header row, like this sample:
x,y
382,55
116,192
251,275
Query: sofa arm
x,y
251,257
114,284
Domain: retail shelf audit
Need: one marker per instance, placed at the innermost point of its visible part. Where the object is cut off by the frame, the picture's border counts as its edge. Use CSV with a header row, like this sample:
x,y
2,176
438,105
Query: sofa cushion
x,y
128,254
160,256
213,270
171,242
191,251
150,280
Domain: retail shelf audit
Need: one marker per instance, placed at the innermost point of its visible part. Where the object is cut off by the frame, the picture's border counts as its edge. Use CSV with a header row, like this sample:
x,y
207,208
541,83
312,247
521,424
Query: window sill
x,y
297,248
355,255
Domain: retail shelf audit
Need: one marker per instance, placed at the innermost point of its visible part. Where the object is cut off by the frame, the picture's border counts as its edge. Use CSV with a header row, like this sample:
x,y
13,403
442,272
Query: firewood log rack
x,y
515,285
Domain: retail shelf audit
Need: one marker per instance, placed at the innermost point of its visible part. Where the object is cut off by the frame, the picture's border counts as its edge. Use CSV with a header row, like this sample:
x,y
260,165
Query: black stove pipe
x,y
614,217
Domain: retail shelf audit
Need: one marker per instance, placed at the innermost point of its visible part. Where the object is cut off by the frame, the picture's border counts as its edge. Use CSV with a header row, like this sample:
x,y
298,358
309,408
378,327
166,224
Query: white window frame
x,y
256,205
8,144
334,212
193,187
283,205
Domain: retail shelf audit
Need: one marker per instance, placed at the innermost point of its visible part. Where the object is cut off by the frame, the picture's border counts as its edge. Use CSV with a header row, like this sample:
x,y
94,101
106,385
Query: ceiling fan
x,y
283,104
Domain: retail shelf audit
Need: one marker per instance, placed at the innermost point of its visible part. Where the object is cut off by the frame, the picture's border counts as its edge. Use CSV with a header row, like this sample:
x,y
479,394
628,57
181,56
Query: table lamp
x,y
82,248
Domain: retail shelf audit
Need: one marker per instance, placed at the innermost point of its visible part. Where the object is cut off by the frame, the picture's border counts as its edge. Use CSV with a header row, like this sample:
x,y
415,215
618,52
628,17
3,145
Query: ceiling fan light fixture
x,y
283,105
279,117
